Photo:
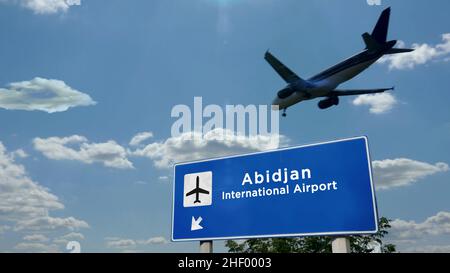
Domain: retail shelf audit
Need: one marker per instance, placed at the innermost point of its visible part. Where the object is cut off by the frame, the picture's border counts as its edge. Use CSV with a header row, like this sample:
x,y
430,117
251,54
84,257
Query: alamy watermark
x,y
374,2
73,247
249,120
73,2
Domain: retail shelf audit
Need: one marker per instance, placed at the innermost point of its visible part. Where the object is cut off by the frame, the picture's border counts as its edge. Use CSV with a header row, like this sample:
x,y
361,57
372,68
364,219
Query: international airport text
x,y
280,178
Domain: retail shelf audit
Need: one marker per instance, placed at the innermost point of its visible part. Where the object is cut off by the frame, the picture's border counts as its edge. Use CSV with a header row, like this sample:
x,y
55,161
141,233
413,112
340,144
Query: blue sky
x,y
127,63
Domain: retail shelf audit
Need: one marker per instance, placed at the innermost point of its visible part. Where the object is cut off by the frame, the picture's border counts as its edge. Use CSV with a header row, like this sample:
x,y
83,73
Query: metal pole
x,y
206,246
341,245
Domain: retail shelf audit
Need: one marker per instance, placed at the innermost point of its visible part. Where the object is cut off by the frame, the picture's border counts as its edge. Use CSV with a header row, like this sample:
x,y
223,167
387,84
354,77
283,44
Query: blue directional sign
x,y
319,189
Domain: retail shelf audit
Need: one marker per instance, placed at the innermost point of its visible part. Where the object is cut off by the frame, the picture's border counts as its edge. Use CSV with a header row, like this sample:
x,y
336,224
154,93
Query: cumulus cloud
x,y
51,223
139,138
20,197
109,153
398,172
43,95
378,103
154,241
218,142
416,236
187,146
435,225
423,53
19,154
36,238
429,249
45,6
72,236
121,243
26,206
36,247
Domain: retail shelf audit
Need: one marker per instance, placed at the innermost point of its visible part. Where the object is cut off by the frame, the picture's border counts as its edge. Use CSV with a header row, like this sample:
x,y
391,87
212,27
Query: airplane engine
x,y
327,103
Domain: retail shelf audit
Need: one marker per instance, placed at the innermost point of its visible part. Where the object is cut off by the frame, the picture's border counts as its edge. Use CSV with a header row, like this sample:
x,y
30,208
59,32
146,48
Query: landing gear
x,y
284,113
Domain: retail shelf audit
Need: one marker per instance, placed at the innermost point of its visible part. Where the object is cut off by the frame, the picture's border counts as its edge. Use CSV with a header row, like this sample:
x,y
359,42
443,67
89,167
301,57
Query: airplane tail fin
x,y
380,31
378,39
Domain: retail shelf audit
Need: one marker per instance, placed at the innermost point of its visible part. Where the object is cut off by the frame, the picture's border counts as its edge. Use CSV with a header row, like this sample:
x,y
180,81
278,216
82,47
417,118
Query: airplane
x,y
197,191
324,84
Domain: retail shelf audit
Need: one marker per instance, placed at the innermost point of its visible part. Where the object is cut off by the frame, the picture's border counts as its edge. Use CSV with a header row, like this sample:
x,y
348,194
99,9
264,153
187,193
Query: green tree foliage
x,y
320,244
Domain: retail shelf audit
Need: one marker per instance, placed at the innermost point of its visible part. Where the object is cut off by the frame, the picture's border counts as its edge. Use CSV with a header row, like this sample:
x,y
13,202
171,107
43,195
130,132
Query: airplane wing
x,y
338,92
280,68
191,192
200,190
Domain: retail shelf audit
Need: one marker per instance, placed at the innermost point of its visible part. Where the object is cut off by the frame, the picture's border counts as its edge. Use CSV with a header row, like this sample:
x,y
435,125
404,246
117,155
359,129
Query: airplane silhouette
x,y
324,84
197,191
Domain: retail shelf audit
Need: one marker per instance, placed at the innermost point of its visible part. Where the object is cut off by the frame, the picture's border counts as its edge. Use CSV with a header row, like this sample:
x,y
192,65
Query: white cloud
x,y
51,223
26,206
36,238
428,236
379,103
422,54
155,241
188,146
20,197
19,154
435,225
120,243
192,146
73,236
429,249
398,172
139,138
110,154
42,94
129,251
36,247
45,6
163,177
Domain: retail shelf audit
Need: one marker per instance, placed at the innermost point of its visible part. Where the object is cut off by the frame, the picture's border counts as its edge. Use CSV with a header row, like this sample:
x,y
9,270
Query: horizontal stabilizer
x,y
359,91
398,50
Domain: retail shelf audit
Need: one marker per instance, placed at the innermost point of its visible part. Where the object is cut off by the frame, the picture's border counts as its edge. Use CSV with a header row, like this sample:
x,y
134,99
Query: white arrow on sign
x,y
196,223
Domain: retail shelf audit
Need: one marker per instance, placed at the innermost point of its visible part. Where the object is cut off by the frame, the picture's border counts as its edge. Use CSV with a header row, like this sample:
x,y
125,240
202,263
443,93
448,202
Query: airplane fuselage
x,y
197,196
323,83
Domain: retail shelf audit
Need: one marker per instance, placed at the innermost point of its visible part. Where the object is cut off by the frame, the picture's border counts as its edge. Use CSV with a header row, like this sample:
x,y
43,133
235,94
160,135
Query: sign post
x,y
323,189
341,245
206,246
